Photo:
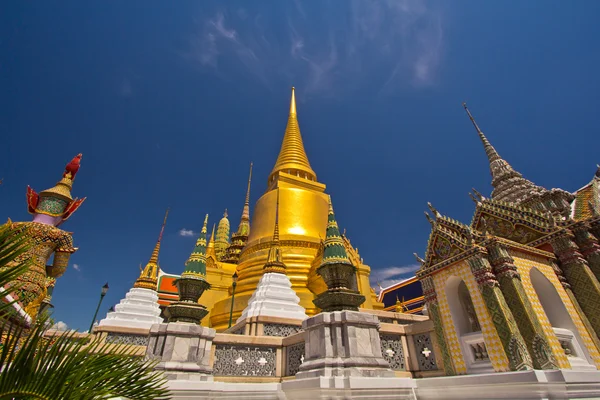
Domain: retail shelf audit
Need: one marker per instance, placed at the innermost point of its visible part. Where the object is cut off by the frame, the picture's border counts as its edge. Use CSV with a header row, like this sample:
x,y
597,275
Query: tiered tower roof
x,y
195,266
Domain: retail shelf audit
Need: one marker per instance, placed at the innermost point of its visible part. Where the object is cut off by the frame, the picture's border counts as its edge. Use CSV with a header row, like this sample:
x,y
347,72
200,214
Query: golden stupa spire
x,y
292,158
210,248
149,275
274,260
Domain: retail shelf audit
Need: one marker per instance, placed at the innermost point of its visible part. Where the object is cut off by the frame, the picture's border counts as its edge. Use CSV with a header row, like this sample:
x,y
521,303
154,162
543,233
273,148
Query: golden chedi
x,y
302,223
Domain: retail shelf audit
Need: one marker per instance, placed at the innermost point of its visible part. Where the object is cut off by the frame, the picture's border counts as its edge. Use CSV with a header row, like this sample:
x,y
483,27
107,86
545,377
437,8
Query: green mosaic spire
x,y
195,266
334,251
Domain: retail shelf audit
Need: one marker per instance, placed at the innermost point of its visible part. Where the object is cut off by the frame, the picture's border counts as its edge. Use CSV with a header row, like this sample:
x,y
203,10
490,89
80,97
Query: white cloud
x,y
60,326
186,232
380,45
388,276
76,267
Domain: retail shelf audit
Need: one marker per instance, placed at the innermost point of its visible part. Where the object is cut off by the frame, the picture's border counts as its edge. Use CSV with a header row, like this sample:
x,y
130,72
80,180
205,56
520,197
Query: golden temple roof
x,y
292,157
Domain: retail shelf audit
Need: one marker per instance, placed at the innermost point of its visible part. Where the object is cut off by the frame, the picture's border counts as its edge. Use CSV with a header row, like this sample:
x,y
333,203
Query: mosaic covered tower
x,y
222,241
337,271
302,224
191,285
510,186
50,208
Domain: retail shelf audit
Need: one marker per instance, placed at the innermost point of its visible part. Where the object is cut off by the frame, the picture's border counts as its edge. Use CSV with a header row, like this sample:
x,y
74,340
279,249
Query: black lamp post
x,y
102,294
234,284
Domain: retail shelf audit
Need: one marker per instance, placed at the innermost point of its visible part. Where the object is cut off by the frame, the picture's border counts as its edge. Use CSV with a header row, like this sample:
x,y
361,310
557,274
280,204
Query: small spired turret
x,y
240,237
222,242
191,285
274,296
337,272
139,308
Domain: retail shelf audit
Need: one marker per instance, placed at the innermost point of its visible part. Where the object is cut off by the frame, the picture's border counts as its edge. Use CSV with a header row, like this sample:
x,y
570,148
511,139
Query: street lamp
x,y
234,284
102,294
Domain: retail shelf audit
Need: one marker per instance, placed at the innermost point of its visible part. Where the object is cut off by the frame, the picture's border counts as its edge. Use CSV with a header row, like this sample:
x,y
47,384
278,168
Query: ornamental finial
x,y
431,221
433,210
419,259
479,195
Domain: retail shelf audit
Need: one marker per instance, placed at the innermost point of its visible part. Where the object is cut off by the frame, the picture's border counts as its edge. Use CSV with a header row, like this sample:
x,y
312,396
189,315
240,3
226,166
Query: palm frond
x,y
61,368
13,243
33,366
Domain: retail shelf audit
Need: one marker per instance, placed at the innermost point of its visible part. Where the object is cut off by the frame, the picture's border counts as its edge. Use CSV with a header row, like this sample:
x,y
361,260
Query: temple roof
x,y
292,156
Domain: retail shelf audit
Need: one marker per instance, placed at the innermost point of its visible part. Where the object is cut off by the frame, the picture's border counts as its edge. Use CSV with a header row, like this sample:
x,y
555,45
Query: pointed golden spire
x,y
149,275
210,249
292,157
274,260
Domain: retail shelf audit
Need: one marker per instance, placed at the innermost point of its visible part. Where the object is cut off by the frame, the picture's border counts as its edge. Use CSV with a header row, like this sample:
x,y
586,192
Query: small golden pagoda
x,y
302,225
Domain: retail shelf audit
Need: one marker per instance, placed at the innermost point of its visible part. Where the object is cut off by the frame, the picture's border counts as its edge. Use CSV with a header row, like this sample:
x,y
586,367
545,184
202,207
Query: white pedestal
x,y
274,297
139,309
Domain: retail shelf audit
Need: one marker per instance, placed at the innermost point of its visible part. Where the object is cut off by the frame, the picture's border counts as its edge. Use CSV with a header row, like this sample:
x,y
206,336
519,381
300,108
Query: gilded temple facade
x,y
303,210
517,288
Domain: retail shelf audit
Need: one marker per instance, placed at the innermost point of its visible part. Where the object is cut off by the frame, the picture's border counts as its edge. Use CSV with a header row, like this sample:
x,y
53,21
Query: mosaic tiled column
x,y
584,284
504,322
434,314
590,249
520,306
584,318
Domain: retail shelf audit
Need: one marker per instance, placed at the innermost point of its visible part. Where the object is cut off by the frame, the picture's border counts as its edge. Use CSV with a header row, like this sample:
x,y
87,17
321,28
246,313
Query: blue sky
x,y
169,103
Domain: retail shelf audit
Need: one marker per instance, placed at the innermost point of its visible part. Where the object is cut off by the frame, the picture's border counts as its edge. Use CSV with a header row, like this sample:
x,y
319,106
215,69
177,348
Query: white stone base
x,y
348,387
557,384
139,309
537,384
274,297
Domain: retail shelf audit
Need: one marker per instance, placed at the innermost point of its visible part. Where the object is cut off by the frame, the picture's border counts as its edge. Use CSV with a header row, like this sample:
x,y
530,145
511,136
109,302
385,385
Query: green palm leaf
x,y
62,368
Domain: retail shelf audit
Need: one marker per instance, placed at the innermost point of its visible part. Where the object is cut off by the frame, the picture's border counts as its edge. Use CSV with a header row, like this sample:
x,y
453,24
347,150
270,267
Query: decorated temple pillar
x,y
584,319
589,246
584,284
433,310
504,322
520,306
